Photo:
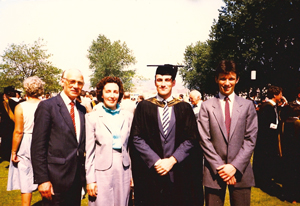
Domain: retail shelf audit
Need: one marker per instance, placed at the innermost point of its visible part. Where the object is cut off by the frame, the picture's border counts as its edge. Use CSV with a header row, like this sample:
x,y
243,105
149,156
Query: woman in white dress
x,y
20,176
107,160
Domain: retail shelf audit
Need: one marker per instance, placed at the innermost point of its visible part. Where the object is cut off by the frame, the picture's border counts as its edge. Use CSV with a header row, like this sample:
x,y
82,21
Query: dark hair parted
x,y
225,67
273,90
106,80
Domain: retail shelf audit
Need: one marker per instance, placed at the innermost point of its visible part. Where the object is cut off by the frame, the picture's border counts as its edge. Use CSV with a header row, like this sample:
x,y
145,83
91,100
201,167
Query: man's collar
x,y
272,102
159,98
231,96
65,98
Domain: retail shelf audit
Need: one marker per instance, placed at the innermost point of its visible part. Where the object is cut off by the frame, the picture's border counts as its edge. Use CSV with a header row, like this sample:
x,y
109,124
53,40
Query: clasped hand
x,y
46,190
226,172
163,166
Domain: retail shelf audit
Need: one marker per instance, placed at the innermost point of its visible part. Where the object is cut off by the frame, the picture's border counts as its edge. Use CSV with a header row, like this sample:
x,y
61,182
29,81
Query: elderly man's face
x,y
194,99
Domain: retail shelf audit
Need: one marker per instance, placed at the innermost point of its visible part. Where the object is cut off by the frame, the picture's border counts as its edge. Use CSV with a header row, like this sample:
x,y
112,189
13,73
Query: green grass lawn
x,y
13,198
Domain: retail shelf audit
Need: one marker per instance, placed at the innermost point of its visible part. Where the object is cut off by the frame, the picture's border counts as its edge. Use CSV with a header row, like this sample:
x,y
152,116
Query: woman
x,y
107,160
20,176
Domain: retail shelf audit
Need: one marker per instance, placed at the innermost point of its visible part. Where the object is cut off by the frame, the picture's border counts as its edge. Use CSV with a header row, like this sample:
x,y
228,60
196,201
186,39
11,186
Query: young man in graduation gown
x,y
165,152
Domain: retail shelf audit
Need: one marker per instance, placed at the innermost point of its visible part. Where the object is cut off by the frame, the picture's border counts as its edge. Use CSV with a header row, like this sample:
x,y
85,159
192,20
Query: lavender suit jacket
x,y
99,152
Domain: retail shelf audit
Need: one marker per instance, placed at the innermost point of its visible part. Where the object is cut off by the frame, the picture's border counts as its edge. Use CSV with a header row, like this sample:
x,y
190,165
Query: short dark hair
x,y
273,90
106,80
93,93
225,67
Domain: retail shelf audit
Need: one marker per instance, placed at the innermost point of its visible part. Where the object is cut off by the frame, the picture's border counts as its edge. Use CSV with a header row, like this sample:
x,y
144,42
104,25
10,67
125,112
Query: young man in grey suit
x,y
228,130
58,144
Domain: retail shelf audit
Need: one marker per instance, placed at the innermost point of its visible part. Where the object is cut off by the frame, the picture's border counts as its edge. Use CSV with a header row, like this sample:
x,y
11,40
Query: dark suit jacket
x,y
55,151
219,149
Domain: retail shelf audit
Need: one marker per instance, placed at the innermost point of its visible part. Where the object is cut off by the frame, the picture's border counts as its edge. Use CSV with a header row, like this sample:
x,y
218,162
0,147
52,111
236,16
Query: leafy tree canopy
x,y
22,61
197,73
260,35
111,59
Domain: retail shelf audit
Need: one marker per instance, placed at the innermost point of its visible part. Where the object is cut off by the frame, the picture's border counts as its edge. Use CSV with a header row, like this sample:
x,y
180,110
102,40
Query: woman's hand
x,y
92,189
14,157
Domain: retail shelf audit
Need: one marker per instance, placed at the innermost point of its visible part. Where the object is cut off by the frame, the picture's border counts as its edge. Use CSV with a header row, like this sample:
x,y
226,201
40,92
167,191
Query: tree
x,y
197,72
260,35
111,59
25,60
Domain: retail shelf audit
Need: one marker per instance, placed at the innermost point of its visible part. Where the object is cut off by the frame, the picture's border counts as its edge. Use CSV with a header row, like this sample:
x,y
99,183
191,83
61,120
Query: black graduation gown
x,y
148,184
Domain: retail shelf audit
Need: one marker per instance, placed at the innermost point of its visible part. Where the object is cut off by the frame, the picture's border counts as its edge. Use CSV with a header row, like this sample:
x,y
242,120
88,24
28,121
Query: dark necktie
x,y
166,118
73,115
227,115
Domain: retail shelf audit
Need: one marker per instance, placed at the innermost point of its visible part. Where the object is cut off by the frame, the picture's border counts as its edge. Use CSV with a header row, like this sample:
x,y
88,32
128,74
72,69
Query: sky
x,y
157,31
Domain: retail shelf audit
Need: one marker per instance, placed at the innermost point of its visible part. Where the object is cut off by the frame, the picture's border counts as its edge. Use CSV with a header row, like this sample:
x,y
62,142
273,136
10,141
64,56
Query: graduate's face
x,y
164,84
226,83
110,95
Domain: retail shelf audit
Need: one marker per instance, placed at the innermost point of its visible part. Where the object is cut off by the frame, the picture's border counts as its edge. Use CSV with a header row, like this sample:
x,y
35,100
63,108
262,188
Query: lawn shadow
x,y
39,203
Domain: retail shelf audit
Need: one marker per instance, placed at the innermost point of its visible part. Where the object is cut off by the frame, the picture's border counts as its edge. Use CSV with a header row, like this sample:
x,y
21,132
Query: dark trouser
x,y
238,196
72,197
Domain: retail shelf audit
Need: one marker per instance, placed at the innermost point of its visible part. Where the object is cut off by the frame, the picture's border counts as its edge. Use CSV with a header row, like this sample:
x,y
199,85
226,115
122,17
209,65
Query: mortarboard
x,y
166,69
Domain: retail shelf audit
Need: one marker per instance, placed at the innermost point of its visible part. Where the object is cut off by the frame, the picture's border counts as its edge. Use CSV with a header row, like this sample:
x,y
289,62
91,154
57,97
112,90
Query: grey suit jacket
x,y
236,149
99,141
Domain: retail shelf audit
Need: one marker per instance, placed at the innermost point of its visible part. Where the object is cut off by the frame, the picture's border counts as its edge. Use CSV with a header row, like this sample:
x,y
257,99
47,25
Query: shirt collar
x,y
272,102
231,96
159,98
66,99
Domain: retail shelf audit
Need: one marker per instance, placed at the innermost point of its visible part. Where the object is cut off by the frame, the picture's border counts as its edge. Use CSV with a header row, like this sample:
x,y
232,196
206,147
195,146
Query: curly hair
x,y
34,86
106,80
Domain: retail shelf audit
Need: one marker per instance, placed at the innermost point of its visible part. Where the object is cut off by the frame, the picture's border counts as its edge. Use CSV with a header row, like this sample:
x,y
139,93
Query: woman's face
x,y
110,95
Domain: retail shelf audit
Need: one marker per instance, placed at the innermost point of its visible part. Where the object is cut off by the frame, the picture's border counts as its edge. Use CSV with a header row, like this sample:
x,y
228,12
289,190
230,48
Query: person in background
x,y
107,160
127,104
228,129
268,151
195,99
140,98
7,108
20,175
58,144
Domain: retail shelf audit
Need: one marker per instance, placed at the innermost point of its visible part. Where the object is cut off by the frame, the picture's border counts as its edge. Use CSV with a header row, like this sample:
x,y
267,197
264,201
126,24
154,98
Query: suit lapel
x,y
218,113
82,123
64,112
103,119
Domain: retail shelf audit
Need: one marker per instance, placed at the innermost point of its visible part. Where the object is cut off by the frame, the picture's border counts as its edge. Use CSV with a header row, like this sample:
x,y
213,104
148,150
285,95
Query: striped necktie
x,y
73,115
227,115
166,118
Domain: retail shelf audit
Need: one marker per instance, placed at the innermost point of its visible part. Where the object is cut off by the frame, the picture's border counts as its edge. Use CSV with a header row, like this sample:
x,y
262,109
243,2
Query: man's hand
x,y
92,189
163,166
226,171
46,190
231,181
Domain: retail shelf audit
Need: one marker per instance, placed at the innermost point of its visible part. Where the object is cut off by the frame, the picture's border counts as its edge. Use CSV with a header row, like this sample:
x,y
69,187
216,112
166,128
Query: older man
x,y
195,99
58,144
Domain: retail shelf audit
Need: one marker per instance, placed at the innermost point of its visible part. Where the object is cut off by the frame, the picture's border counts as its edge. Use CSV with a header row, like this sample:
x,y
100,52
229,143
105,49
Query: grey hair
x,y
34,86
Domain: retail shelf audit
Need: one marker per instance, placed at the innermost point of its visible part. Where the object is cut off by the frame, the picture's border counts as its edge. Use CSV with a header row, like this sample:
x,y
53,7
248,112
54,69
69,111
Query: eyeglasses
x,y
72,82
